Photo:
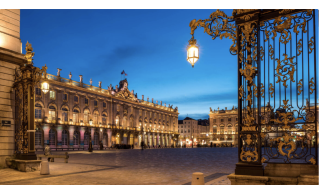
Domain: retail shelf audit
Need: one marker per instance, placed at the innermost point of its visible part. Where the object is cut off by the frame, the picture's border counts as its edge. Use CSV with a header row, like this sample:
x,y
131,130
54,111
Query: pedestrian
x,y
211,144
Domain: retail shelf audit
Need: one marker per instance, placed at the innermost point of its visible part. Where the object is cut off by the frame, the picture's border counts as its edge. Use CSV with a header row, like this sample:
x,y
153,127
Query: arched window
x,y
64,137
229,129
75,116
117,121
86,116
75,138
96,138
131,139
104,119
221,129
52,114
86,138
131,122
95,117
64,114
236,128
38,138
214,129
52,137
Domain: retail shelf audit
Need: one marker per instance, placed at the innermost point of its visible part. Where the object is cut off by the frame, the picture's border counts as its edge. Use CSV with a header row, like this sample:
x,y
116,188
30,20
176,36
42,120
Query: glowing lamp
x,y
192,52
45,87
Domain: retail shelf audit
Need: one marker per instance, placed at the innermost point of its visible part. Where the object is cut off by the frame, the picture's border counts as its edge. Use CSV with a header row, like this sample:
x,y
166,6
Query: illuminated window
x,y
86,116
52,95
75,116
221,129
52,113
95,118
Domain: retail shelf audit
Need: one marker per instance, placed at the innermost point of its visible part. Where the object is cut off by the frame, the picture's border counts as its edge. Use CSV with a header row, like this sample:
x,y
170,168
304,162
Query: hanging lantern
x,y
193,52
45,87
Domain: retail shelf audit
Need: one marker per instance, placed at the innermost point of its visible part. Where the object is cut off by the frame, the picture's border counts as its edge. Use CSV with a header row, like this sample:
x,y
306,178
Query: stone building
x,y
11,57
71,111
190,128
224,125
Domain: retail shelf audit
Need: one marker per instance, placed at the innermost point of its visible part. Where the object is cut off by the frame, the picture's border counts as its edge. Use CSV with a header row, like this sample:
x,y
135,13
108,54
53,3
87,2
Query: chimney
x,y
58,74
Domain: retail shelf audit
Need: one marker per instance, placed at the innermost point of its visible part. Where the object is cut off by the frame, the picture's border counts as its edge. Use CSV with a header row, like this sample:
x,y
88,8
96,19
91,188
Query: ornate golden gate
x,y
277,83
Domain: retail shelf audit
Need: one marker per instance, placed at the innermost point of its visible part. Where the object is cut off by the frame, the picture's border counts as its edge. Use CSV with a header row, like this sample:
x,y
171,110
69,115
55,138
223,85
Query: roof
x,y
188,118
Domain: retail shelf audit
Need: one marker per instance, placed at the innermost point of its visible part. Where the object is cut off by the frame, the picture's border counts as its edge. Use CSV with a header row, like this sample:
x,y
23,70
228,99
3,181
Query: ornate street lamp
x,y
45,87
193,51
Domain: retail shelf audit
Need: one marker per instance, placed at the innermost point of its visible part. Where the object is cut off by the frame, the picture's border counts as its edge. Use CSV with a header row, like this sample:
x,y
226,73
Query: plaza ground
x,y
132,167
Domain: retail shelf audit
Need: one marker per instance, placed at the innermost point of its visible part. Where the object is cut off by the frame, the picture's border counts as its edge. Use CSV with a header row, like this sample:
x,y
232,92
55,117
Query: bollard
x,y
197,178
44,168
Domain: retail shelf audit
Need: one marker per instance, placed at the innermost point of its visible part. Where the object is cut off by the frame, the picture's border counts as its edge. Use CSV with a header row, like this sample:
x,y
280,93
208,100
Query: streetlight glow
x,y
45,87
193,52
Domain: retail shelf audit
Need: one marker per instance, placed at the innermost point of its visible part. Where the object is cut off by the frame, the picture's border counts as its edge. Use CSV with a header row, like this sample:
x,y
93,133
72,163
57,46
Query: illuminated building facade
x,y
72,111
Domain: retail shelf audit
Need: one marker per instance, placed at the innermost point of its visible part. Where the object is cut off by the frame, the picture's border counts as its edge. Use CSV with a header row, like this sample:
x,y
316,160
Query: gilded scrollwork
x,y
219,25
285,141
300,86
311,45
249,156
313,161
311,85
261,53
248,72
299,47
285,69
271,89
271,52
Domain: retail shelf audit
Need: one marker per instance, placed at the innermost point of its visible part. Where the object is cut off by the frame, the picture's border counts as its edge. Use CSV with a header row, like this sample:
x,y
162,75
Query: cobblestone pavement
x,y
132,167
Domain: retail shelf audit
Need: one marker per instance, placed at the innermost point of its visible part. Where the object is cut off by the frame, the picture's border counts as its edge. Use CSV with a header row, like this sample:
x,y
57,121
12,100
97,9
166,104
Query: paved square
x,y
132,167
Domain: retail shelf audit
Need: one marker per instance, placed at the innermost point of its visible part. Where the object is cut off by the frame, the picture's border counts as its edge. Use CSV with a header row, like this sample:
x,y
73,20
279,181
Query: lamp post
x,y
26,77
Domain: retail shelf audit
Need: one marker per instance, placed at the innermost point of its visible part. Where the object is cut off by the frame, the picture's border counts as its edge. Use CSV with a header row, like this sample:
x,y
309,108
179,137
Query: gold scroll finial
x,y
29,53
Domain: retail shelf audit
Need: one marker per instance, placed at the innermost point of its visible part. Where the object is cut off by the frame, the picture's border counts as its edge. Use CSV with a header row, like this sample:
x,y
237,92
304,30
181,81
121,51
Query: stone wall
x,y
10,58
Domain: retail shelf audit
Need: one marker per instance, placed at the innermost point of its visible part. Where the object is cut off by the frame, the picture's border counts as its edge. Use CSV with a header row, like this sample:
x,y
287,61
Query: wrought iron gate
x,y
277,86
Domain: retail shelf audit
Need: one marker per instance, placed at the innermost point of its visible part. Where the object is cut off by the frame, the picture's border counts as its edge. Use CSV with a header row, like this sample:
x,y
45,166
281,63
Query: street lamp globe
x,y
45,87
192,52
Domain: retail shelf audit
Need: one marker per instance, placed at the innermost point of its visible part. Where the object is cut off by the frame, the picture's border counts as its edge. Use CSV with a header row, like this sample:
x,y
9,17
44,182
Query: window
x,y
229,129
38,91
221,129
229,119
52,137
76,99
181,131
104,121
104,104
188,130
214,121
96,138
86,116
38,136
95,103
52,113
214,129
86,101
76,138
75,116
38,114
52,95
95,118
64,137
86,138
236,119
221,120
65,97
185,131
64,115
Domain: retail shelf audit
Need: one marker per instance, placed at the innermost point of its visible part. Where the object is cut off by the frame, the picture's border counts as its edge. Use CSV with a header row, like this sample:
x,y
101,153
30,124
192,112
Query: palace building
x,y
71,111
224,124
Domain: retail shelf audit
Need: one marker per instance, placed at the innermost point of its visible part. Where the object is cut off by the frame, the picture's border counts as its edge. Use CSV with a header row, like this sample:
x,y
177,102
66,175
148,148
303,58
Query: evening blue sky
x,y
150,45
